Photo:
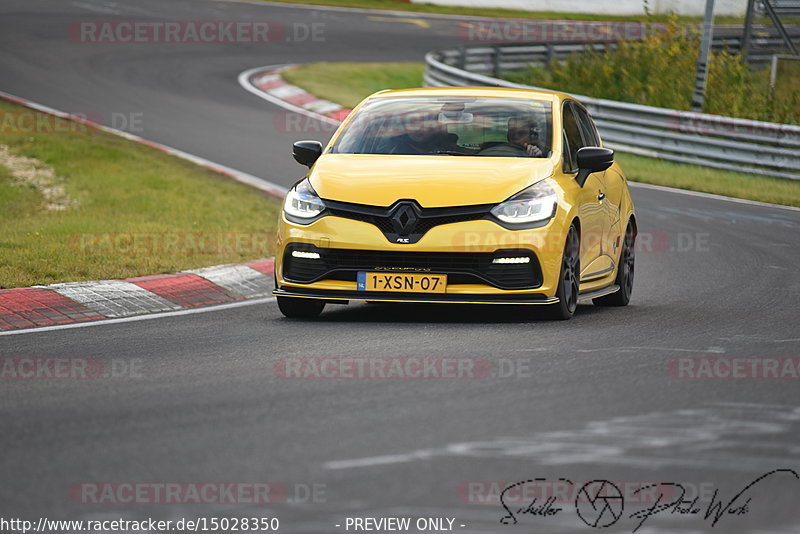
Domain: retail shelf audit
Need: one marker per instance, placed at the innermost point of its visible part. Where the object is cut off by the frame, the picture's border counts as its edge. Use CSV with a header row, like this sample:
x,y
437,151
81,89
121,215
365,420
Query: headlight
x,y
536,203
302,201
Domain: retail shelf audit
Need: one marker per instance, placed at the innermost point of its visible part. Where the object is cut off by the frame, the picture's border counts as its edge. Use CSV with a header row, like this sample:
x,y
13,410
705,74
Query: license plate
x,y
407,282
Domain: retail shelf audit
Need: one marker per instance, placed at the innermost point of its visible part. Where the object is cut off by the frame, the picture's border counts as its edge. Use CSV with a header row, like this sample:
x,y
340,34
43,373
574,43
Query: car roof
x,y
493,92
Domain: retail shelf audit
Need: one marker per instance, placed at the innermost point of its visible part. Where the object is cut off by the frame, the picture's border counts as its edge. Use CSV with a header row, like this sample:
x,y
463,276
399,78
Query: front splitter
x,y
375,296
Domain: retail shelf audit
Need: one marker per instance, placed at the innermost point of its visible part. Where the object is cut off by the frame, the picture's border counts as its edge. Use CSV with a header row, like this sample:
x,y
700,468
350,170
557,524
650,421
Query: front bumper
x,y
356,246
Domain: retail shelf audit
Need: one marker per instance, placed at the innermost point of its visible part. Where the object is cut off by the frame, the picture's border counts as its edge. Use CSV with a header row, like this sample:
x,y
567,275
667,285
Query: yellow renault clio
x,y
458,195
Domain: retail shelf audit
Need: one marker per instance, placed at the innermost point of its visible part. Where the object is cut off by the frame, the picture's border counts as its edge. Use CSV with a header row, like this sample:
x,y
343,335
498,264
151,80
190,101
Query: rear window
x,y
455,126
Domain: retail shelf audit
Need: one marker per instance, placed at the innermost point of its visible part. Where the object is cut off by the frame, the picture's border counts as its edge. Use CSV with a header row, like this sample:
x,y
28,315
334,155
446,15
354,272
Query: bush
x,y
660,71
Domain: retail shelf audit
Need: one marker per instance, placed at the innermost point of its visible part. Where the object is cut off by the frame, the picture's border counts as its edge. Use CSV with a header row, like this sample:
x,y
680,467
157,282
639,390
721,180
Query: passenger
x,y
423,137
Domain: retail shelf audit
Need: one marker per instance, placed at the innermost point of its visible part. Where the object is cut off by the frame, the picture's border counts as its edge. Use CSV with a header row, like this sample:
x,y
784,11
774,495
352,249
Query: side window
x,y
573,138
587,127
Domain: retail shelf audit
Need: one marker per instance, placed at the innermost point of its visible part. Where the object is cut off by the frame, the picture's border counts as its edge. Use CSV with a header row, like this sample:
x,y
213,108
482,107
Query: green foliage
x,y
354,81
660,70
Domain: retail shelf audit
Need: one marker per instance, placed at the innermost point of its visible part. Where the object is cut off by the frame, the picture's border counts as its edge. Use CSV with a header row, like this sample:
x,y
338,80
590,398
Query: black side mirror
x,y
593,159
306,152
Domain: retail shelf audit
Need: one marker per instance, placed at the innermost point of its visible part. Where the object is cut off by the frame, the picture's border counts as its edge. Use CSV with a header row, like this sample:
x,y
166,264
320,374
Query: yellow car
x,y
458,195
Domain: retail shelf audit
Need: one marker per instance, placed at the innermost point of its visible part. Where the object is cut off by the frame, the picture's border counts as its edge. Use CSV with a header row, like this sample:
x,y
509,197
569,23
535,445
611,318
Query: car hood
x,y
433,181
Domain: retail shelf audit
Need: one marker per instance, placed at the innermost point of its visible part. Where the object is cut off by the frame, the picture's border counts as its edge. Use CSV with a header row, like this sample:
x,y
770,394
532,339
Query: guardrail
x,y
682,136
491,58
789,8
496,58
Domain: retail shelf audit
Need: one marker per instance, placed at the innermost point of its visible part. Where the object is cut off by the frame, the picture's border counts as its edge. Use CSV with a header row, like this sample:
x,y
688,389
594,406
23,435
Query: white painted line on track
x,y
240,176
244,81
104,322
712,196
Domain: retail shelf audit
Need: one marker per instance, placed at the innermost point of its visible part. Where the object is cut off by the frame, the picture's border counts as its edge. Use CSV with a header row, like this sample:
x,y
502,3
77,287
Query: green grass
x,y
499,13
348,83
354,81
695,178
121,188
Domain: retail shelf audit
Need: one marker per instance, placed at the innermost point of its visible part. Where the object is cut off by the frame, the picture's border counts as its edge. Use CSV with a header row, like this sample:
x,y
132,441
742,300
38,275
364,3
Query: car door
x,y
611,189
590,197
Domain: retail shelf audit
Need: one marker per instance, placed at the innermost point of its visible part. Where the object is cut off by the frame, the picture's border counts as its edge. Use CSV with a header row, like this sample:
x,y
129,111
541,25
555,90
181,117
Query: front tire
x,y
569,279
624,280
300,308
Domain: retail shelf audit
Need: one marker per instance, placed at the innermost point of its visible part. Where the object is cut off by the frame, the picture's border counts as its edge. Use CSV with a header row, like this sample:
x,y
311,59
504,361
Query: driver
x,y
522,133
523,141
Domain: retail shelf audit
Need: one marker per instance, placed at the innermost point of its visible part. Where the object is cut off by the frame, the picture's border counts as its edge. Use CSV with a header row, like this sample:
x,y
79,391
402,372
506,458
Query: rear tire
x,y
569,279
300,308
627,261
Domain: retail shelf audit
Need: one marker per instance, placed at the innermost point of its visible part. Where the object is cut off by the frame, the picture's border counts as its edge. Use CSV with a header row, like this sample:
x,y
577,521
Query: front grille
x,y
424,218
461,267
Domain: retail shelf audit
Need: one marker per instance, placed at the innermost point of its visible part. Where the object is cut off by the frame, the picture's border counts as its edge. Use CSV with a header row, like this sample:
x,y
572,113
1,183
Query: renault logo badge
x,y
404,219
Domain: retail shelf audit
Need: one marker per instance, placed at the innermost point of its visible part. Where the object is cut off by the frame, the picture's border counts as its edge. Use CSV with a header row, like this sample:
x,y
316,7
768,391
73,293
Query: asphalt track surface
x,y
589,399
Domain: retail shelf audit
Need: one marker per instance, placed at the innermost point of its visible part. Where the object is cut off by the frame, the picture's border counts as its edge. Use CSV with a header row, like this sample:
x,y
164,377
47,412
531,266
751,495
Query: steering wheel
x,y
504,149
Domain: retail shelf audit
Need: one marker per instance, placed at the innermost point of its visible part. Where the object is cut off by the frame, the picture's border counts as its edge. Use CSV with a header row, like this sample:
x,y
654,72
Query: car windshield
x,y
457,126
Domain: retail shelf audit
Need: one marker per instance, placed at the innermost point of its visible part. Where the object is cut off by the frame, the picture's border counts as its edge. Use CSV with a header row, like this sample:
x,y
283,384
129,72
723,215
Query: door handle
x,y
601,196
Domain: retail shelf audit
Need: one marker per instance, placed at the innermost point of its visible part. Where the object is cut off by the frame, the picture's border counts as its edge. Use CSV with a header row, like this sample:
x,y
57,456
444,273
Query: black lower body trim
x,y
532,298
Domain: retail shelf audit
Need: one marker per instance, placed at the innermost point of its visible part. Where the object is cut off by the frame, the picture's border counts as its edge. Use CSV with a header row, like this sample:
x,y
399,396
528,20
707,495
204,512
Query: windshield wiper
x,y
449,153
